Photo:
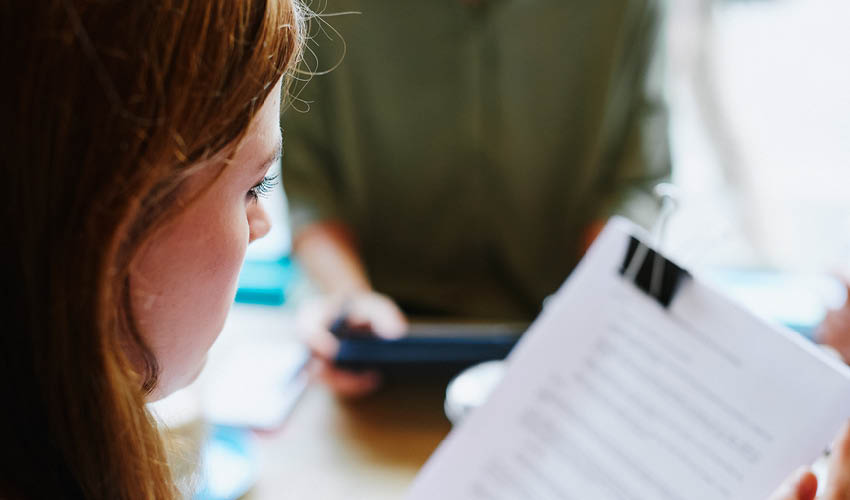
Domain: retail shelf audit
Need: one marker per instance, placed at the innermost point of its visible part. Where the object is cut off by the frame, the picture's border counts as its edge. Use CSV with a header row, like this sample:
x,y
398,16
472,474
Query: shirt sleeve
x,y
310,176
637,155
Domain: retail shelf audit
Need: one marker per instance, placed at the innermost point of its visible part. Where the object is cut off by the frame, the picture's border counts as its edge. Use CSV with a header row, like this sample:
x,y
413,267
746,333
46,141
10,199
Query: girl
x,y
136,140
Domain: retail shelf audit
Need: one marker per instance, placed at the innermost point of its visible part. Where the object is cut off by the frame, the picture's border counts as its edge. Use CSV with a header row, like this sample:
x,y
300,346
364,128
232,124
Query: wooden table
x,y
370,448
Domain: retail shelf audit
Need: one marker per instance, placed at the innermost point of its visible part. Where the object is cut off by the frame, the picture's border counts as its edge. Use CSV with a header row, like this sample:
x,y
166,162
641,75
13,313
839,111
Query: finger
x,y
311,326
348,384
838,482
381,314
323,343
802,485
807,486
389,321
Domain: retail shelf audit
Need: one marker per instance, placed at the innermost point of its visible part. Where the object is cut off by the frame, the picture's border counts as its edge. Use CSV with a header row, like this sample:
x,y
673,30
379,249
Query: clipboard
x,y
444,347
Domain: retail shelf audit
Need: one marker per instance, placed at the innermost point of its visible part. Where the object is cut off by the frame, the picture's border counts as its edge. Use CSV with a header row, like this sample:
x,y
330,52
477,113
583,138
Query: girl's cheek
x,y
185,285
209,296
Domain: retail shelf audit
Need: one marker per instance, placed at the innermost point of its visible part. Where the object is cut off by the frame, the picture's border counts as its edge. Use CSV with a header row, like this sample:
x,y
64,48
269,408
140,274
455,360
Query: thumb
x,y
802,485
380,313
387,320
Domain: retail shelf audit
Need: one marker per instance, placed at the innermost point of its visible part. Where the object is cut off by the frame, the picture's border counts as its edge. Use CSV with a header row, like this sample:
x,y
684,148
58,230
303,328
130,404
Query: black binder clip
x,y
650,271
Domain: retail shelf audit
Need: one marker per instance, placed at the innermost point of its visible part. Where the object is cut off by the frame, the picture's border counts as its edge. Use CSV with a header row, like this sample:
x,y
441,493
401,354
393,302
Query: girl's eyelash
x,y
263,188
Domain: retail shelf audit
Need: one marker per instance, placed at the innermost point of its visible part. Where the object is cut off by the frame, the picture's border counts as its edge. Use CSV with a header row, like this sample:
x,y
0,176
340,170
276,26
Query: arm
x,y
327,253
315,184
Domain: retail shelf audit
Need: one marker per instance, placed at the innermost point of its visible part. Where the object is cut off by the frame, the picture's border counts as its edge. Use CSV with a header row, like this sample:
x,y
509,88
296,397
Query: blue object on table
x,y
229,464
423,350
266,282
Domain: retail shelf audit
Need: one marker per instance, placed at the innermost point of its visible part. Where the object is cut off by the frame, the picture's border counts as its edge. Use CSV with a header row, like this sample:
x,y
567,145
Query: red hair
x,y
109,106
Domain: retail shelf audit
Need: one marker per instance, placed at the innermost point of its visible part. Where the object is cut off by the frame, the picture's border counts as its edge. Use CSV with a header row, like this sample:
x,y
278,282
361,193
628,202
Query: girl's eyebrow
x,y
272,158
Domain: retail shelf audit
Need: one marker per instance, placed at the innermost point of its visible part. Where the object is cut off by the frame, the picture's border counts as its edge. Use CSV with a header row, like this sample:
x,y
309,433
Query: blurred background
x,y
758,93
760,128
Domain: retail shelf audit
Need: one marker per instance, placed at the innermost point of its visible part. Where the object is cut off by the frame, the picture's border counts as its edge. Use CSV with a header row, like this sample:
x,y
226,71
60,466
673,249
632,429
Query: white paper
x,y
254,375
256,386
612,396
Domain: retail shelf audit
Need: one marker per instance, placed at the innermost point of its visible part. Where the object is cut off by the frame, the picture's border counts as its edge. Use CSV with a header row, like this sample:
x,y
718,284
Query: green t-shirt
x,y
468,146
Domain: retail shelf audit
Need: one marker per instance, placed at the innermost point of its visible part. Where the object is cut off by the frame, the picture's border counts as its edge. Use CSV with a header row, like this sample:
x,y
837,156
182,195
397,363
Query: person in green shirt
x,y
459,158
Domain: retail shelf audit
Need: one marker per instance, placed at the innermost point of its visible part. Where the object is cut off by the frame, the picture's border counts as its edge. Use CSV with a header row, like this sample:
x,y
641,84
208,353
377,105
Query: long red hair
x,y
108,106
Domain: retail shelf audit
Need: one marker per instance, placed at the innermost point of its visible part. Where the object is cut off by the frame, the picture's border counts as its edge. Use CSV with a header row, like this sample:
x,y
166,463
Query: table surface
x,y
370,448
331,448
